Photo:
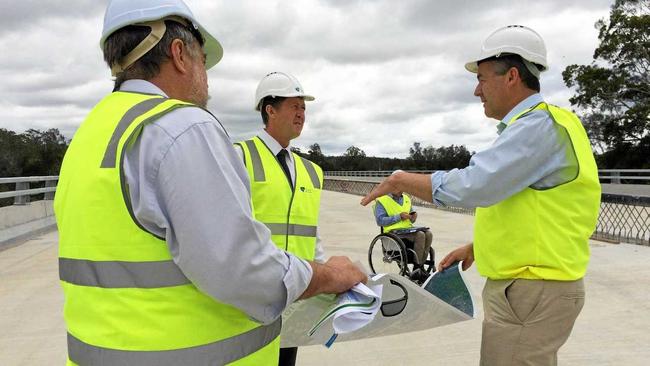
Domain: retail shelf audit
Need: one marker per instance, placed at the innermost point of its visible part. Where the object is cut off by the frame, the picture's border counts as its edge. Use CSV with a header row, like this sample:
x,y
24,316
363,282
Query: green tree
x,y
354,159
613,92
315,154
354,152
416,156
10,148
32,152
45,151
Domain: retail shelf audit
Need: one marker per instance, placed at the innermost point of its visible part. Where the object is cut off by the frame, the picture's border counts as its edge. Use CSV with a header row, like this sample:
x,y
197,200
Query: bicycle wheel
x,y
387,255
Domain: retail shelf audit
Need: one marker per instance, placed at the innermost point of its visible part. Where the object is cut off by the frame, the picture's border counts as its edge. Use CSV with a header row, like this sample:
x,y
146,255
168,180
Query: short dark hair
x,y
122,41
273,102
504,63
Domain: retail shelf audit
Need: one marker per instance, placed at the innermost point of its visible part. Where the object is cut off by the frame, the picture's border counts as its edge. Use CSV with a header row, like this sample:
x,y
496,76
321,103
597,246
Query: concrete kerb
x,y
20,222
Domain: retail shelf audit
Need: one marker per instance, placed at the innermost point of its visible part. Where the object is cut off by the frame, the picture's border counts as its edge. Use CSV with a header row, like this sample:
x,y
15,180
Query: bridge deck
x,y
612,329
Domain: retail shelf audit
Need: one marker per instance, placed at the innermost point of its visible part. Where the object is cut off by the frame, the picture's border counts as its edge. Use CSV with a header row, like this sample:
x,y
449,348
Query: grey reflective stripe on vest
x,y
133,113
218,353
312,172
294,229
119,274
134,134
258,168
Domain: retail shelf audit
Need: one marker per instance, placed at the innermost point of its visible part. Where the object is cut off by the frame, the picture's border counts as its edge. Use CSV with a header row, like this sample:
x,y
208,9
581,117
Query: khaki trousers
x,y
527,321
422,242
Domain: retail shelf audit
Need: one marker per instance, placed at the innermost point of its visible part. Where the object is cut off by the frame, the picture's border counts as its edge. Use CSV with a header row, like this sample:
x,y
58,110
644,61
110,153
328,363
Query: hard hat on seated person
x,y
279,84
517,40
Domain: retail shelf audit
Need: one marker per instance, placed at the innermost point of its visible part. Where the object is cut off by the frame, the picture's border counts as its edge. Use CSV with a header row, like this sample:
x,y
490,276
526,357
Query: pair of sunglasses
x,y
394,307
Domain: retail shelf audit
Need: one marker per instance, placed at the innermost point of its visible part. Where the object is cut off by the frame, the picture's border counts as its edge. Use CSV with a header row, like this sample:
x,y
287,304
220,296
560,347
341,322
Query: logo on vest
x,y
306,190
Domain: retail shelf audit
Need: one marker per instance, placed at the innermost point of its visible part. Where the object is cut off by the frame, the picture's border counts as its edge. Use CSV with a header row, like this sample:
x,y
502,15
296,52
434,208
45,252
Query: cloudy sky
x,y
384,73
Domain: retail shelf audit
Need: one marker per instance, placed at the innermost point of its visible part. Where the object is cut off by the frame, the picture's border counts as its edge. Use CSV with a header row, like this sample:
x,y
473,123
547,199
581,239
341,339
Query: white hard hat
x,y
514,39
279,84
121,13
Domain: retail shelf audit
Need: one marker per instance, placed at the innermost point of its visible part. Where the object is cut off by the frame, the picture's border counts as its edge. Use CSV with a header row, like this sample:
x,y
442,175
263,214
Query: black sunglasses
x,y
395,307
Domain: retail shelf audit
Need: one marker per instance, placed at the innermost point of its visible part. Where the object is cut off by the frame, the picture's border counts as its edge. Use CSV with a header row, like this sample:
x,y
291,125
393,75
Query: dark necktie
x,y
282,158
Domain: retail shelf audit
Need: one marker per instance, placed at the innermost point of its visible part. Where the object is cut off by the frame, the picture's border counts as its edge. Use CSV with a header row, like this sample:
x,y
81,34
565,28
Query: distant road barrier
x,y
23,191
27,214
622,218
614,176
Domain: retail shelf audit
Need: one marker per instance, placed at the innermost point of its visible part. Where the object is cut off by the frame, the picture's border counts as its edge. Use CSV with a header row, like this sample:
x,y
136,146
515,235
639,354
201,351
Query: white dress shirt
x,y
275,147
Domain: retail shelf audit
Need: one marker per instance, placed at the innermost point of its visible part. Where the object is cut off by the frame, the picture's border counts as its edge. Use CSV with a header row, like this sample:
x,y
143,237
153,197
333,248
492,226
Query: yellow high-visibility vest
x,y
393,208
290,214
126,301
543,233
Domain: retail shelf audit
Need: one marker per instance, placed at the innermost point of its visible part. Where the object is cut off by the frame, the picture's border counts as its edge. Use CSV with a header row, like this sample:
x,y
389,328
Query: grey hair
x,y
122,41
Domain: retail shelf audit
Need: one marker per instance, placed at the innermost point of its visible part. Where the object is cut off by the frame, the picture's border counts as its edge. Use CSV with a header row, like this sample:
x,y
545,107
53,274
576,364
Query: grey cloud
x,y
457,126
375,66
22,16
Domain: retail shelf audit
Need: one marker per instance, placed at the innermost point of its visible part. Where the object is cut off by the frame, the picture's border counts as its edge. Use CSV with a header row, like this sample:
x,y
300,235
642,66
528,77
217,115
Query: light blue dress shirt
x,y
532,152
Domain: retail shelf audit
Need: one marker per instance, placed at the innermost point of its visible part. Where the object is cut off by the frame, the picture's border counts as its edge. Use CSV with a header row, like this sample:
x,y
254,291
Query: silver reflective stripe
x,y
258,168
312,172
218,353
123,184
118,274
294,229
133,113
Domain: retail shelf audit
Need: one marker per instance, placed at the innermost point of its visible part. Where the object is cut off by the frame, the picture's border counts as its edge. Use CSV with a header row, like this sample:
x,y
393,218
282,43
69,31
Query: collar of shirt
x,y
141,86
396,198
274,145
529,102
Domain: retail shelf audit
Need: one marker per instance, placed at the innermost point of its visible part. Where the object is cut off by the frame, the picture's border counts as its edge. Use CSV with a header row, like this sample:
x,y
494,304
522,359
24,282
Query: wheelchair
x,y
391,253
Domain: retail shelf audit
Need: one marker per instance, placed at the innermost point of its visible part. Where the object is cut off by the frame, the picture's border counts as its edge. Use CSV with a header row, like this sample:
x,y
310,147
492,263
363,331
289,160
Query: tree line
x,y
31,153
420,158
40,153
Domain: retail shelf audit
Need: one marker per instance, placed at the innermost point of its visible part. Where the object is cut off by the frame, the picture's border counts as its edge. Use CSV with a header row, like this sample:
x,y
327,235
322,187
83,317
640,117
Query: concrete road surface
x,y
613,328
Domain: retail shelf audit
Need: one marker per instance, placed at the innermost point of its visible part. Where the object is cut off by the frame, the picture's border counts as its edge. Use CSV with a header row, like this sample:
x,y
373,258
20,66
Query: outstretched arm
x,y
418,185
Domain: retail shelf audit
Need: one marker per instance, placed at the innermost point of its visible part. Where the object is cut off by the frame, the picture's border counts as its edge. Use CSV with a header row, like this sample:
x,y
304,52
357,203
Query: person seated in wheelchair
x,y
395,215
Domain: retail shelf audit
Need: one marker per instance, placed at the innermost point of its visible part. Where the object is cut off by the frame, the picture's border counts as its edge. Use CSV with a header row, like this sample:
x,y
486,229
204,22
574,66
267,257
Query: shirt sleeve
x,y
319,252
194,191
528,151
240,153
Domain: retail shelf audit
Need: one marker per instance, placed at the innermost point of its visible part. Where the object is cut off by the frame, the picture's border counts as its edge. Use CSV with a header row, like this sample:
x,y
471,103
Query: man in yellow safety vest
x,y
285,187
154,214
538,195
394,213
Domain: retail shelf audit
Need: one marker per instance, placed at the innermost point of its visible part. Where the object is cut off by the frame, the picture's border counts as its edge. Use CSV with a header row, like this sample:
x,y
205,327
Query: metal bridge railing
x,y
23,192
615,176
622,218
619,176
